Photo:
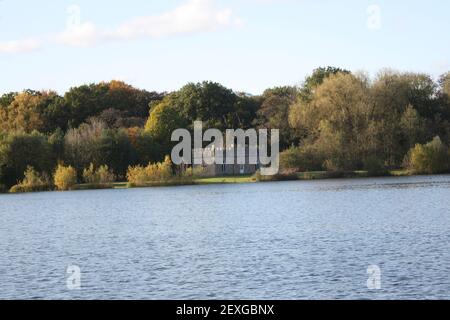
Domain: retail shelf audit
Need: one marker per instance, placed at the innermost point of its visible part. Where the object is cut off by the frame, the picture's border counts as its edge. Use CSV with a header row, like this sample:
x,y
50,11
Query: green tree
x,y
444,83
430,158
413,127
7,98
163,120
209,102
56,113
86,101
316,79
336,120
91,100
145,146
246,107
20,150
274,113
114,148
56,141
392,95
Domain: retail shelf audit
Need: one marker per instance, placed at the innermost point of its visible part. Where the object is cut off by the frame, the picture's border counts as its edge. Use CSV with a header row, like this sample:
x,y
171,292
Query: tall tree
x,y
336,119
317,78
164,119
274,113
20,150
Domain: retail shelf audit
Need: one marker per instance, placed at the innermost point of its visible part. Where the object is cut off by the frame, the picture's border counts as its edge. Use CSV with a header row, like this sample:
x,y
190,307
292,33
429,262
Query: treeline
x,y
349,122
334,121
91,143
115,103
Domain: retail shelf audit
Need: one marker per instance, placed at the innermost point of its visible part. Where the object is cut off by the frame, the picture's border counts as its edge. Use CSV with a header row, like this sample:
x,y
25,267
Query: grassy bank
x,y
301,176
316,175
320,175
225,180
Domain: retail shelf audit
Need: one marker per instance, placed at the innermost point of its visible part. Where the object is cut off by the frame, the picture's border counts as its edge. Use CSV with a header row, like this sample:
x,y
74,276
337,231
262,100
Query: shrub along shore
x,y
32,183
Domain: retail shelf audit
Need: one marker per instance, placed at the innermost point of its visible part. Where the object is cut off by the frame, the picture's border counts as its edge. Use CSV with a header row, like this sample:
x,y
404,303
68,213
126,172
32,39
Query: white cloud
x,y
19,46
82,35
194,16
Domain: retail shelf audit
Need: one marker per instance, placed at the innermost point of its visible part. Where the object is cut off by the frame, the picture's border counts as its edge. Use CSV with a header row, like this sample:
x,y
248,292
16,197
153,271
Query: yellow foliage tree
x,y
65,177
156,172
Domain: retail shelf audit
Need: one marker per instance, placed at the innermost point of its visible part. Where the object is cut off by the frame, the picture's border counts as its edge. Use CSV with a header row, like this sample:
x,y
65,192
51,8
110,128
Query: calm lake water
x,y
284,240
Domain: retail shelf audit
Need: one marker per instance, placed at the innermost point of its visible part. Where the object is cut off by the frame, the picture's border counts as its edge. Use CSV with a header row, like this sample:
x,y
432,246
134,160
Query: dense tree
x,y
146,147
56,113
115,102
7,98
246,108
209,102
336,116
163,120
352,120
86,101
80,144
215,105
413,127
274,113
20,150
27,111
114,148
93,143
398,99
91,100
317,78
444,83
131,101
116,119
303,158
433,157
56,141
24,113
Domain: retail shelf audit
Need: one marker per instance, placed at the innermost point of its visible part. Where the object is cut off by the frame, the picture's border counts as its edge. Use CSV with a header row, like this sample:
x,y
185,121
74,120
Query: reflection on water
x,y
284,240
427,182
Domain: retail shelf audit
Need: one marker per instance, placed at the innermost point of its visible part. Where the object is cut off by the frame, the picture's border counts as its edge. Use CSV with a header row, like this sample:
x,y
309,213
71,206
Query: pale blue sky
x,y
247,45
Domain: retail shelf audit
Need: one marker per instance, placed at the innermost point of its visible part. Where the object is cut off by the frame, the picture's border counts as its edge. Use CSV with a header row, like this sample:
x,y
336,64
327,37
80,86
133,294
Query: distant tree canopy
x,y
335,120
444,83
317,78
46,111
350,118
18,151
164,119
274,113
431,158
215,105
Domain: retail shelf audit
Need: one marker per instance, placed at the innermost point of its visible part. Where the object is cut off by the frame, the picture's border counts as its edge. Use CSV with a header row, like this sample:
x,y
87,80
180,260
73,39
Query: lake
x,y
282,240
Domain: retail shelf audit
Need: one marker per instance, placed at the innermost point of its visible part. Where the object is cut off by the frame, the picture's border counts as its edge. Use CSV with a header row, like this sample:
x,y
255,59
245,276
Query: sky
x,y
246,45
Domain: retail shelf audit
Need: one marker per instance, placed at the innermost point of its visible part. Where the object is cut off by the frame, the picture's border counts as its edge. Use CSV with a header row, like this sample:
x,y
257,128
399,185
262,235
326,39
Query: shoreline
x,y
299,176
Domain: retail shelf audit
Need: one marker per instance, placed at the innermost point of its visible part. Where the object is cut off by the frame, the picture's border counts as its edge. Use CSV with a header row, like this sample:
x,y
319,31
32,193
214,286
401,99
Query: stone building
x,y
244,163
